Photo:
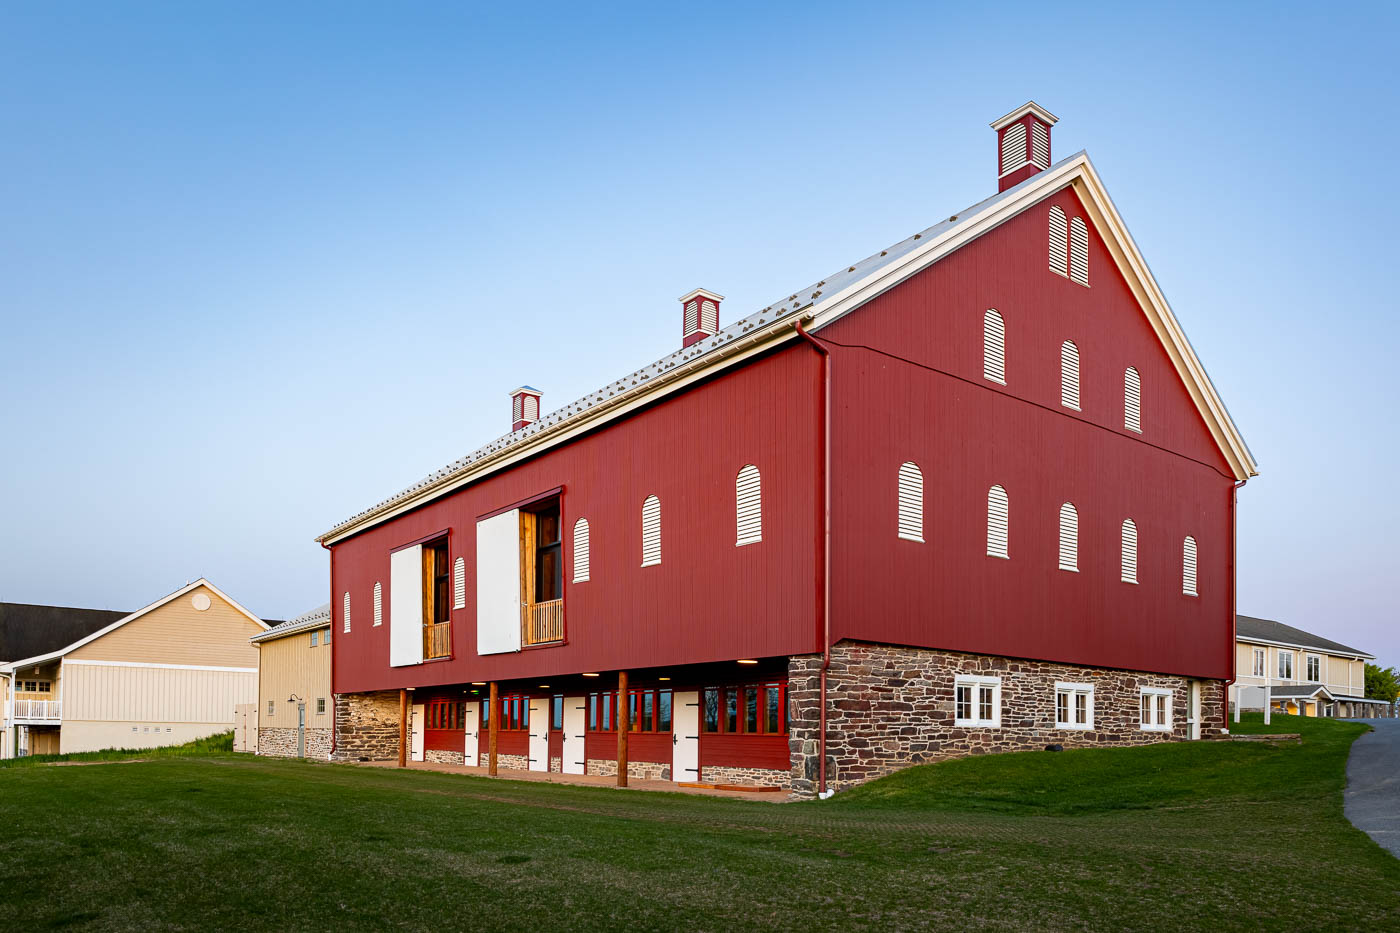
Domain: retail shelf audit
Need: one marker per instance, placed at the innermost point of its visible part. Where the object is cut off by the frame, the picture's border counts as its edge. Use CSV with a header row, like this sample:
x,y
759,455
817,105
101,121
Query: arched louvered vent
x,y
378,604
748,497
709,316
1069,537
346,613
692,316
1079,251
998,523
1069,375
1129,551
1059,242
1132,400
1040,144
517,407
581,551
994,347
651,531
459,583
532,408
1013,148
1188,566
911,502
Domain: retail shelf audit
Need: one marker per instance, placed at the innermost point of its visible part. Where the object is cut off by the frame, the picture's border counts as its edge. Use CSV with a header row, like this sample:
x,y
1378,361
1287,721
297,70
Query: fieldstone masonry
x,y
367,726
282,743
890,707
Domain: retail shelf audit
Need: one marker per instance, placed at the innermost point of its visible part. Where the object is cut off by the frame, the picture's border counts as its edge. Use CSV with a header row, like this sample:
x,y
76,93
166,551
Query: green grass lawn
x,y
1183,836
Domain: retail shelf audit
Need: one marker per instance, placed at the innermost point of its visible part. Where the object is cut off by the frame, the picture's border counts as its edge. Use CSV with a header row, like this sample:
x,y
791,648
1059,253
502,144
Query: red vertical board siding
x,y
966,434
708,600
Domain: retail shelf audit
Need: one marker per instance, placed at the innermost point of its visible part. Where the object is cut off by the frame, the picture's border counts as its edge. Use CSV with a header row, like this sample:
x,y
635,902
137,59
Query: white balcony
x,y
38,710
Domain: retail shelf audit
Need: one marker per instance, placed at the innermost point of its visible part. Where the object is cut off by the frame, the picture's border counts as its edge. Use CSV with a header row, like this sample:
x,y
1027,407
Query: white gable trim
x,y
188,587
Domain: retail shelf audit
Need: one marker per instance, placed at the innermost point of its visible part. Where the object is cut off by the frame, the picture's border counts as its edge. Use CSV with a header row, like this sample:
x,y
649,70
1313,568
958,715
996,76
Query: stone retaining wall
x,y
715,774
642,770
282,743
367,726
443,757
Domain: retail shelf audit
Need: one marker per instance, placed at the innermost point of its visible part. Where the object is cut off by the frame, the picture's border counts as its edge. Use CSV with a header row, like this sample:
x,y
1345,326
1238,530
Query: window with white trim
x,y
1156,710
998,523
1259,662
911,502
271,706
325,636
459,583
748,506
1059,242
976,700
1078,251
1132,400
1130,551
346,611
651,531
994,347
1074,706
1285,665
1188,566
314,637
1069,537
1314,667
320,706
378,604
581,565
1069,375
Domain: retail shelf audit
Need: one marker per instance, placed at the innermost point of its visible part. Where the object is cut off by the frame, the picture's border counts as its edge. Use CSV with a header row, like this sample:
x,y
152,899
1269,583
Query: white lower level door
x,y
1193,709
415,744
685,736
573,755
539,735
471,750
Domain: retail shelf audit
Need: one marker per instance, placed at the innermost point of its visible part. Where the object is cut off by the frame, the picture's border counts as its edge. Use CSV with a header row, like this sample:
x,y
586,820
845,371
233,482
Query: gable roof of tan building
x,y
1267,631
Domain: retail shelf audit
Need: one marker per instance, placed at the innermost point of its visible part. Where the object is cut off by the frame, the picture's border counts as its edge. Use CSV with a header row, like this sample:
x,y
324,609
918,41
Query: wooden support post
x,y
492,724
623,727
403,728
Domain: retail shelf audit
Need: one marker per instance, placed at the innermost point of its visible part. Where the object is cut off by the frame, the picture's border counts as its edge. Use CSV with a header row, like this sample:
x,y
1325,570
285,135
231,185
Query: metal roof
x,y
807,300
316,618
28,630
1249,627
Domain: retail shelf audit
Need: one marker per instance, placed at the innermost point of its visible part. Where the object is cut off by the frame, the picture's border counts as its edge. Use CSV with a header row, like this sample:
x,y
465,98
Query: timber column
x,y
403,728
492,715
622,728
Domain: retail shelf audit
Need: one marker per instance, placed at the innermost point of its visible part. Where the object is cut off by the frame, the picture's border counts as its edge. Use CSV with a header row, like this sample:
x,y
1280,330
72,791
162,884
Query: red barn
x,y
973,492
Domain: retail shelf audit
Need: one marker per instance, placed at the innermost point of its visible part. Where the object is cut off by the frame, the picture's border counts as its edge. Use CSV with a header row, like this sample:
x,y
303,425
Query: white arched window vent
x,y
1069,537
998,523
651,531
581,551
994,347
1069,375
748,502
459,583
1130,551
1059,242
1132,400
1078,251
911,502
345,613
1013,148
1188,566
378,604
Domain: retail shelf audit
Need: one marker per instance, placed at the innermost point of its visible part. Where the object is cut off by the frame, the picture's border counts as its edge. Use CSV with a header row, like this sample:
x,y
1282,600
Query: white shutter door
x,y
748,494
471,744
1059,242
1069,375
459,583
1069,537
911,502
998,522
994,347
581,551
498,583
1079,251
406,606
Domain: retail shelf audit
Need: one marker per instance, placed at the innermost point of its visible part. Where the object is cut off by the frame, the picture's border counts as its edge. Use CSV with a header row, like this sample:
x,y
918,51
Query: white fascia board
x,y
701,293
1357,655
1029,106
152,664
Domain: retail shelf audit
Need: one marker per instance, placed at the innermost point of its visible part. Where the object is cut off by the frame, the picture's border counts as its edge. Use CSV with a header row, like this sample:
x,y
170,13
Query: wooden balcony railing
x,y
437,640
542,623
38,709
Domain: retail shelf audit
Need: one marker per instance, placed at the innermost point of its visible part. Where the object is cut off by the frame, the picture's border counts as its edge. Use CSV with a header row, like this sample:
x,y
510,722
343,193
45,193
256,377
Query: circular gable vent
x,y
200,601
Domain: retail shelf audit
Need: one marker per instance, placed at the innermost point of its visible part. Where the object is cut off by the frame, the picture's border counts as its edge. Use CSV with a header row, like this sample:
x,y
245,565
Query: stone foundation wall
x,y
715,774
513,762
367,726
556,764
890,707
282,743
443,757
642,770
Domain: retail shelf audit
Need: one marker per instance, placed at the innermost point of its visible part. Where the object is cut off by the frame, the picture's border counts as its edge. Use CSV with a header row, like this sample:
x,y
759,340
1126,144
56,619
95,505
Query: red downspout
x,y
1234,606
824,587
336,641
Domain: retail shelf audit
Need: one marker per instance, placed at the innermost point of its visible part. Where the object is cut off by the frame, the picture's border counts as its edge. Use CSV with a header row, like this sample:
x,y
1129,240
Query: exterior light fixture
x,y
478,683
747,661
590,675
663,678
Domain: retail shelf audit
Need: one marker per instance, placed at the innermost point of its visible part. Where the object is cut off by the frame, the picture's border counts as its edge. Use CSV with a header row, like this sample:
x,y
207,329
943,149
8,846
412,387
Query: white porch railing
x,y
38,709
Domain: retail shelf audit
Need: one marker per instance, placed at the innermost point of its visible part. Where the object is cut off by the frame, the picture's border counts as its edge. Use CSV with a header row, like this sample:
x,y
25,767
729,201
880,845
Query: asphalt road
x,y
1372,797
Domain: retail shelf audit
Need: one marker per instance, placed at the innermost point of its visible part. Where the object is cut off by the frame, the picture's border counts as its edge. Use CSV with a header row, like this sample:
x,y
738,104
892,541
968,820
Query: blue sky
x,y
235,240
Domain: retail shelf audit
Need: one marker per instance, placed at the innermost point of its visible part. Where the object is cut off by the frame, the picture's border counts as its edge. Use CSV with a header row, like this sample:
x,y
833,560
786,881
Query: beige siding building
x,y
294,712
166,674
1299,673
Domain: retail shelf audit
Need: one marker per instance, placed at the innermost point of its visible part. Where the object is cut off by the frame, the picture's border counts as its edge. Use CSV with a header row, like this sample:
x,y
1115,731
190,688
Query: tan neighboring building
x,y
1299,673
163,675
294,713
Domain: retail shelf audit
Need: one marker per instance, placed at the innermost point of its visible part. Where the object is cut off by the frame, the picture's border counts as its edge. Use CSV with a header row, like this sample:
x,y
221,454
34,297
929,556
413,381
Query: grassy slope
x,y
1170,837
222,742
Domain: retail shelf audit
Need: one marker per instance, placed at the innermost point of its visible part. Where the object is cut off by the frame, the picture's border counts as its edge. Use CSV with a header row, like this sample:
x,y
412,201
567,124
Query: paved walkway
x,y
587,780
1372,797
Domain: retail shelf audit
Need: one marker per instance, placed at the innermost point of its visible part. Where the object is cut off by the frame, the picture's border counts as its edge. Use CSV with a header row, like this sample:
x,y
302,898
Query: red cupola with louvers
x,y
524,407
1023,143
700,315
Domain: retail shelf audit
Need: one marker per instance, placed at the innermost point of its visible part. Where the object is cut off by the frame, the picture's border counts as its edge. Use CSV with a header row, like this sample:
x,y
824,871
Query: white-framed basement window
x,y
1074,706
1156,709
911,502
976,701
